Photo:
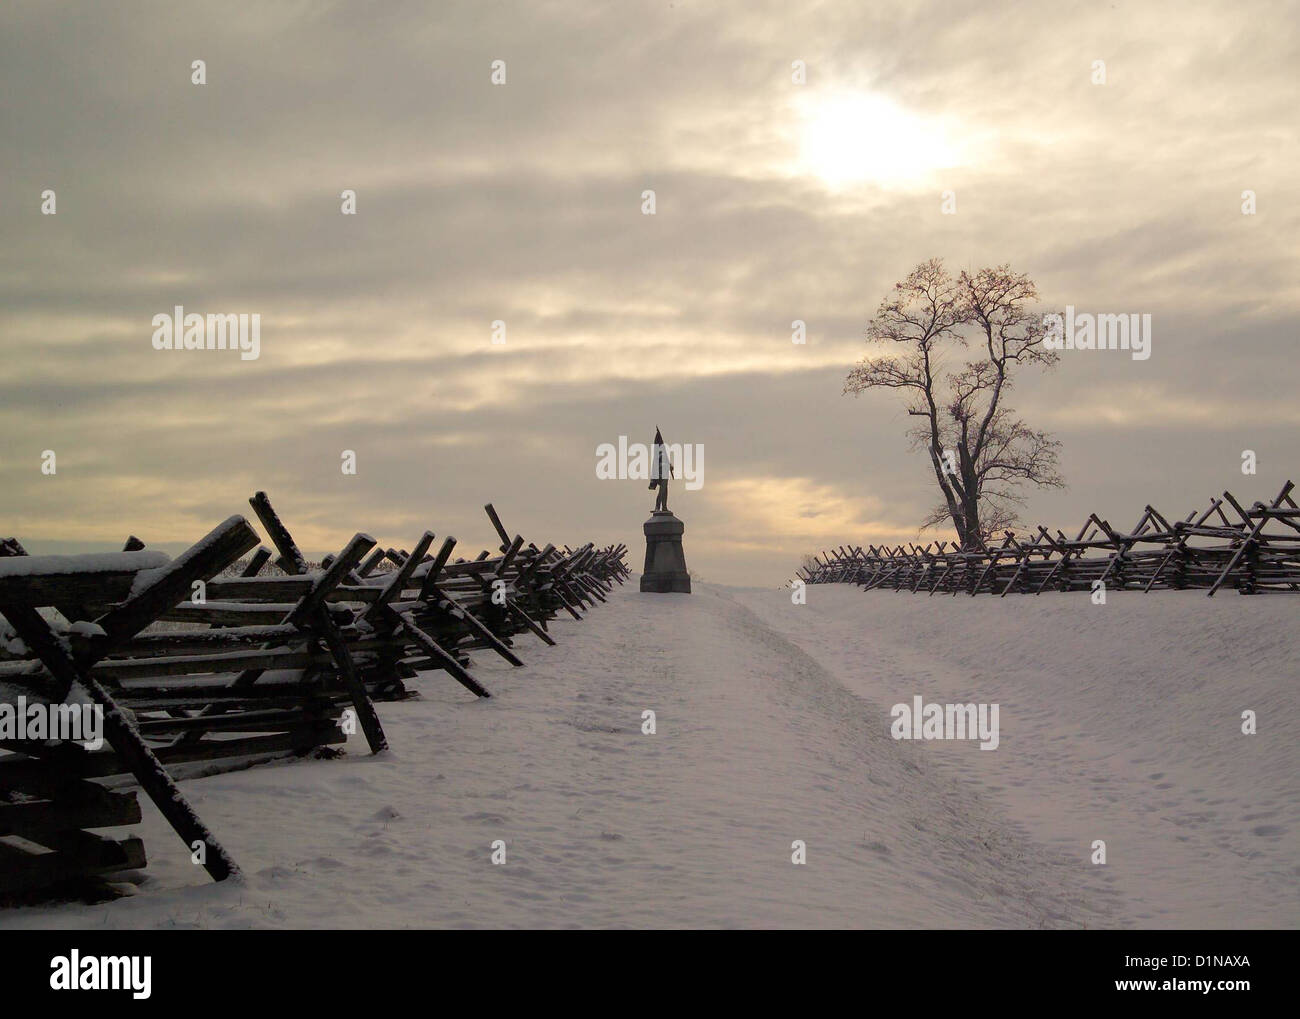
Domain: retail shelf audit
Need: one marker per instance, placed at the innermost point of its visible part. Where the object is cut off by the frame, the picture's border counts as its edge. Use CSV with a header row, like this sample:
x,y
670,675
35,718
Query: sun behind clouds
x,y
850,138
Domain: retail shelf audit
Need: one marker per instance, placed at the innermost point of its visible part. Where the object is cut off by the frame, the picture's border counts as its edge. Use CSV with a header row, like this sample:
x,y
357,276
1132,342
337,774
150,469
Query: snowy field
x,y
1118,722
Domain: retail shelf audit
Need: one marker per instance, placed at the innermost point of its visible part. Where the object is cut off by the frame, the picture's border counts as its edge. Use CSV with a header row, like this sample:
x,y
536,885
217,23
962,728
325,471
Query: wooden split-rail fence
x,y
207,662
1252,549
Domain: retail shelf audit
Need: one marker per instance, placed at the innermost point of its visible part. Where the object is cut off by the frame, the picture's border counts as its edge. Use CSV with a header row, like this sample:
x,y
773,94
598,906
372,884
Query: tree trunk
x,y
951,497
972,537
969,531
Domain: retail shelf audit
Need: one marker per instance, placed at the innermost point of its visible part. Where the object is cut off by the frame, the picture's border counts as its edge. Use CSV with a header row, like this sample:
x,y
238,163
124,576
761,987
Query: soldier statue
x,y
665,562
661,470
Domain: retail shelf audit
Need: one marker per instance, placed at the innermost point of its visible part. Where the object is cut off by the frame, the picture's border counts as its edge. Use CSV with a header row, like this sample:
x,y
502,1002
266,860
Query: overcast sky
x,y
522,202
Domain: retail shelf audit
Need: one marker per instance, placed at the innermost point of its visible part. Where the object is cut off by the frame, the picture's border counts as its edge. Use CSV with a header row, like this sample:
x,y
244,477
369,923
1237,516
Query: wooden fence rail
x,y
206,663
1253,550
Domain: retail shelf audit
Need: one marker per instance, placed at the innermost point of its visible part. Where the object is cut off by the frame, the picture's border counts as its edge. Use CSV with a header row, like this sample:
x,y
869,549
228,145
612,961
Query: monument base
x,y
665,562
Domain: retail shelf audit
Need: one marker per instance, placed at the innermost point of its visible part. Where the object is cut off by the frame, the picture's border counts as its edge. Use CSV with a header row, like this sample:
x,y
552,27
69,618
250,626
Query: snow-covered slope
x,y
773,727
1120,722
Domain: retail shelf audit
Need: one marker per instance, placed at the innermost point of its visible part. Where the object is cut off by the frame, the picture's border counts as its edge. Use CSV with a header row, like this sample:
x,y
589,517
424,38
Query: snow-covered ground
x,y
1118,722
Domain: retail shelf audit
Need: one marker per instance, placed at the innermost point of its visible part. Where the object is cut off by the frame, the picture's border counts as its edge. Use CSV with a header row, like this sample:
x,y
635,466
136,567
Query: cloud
x,y
521,203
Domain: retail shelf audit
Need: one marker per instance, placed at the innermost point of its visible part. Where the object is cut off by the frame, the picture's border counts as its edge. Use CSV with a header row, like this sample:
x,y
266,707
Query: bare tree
x,y
981,453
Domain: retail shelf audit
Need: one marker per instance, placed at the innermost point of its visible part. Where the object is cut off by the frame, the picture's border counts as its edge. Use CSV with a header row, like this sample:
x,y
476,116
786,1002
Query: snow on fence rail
x,y
249,668
1258,551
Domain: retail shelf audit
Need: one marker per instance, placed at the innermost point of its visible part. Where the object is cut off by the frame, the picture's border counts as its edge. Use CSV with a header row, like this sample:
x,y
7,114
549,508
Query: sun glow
x,y
854,138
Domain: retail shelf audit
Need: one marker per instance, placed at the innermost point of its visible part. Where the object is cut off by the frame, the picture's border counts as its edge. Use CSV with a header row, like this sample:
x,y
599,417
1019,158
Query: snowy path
x,y
764,736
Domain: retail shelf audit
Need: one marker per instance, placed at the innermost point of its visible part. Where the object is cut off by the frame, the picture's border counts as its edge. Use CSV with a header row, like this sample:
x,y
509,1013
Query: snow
x,y
93,562
147,578
237,606
10,642
1118,722
10,692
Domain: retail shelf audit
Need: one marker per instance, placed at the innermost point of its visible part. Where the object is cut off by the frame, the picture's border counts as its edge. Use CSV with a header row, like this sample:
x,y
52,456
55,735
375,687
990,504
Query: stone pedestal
x,y
665,562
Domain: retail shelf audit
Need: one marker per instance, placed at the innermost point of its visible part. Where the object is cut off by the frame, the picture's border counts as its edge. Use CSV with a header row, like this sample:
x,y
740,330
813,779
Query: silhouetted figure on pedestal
x,y
665,562
661,469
